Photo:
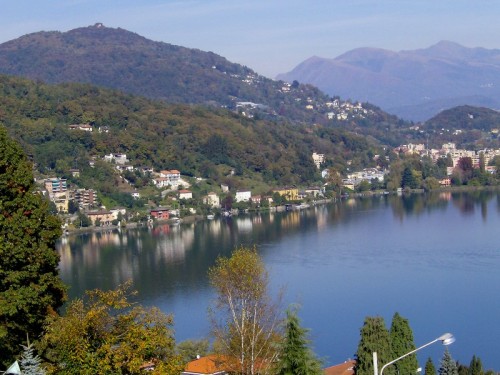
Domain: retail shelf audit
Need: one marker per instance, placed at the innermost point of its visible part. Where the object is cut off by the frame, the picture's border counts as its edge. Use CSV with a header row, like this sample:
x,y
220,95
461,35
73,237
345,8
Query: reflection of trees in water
x,y
165,259
466,202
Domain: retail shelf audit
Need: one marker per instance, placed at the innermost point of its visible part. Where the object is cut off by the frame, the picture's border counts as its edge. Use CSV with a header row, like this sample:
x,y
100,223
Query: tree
x,y
30,287
401,343
465,166
190,349
475,367
30,363
430,369
83,220
245,321
431,183
408,179
448,365
295,356
374,338
108,334
334,180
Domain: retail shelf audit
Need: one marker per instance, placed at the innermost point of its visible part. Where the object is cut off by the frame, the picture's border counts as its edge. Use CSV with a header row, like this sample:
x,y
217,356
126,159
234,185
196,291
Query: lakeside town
x,y
172,187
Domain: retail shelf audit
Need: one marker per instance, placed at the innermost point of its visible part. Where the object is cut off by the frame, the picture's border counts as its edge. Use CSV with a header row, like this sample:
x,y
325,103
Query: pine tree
x,y
448,365
374,338
30,287
401,343
430,369
30,363
295,357
475,367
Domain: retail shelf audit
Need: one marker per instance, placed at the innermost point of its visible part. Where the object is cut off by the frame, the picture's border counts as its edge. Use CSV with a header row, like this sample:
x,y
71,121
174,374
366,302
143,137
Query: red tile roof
x,y
209,365
346,368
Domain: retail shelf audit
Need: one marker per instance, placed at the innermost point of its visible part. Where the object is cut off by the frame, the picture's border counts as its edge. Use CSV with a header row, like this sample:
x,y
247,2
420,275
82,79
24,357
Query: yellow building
x,y
291,193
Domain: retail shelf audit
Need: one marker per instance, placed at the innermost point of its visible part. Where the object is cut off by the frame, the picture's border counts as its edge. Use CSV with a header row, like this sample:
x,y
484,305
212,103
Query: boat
x,y
210,217
176,221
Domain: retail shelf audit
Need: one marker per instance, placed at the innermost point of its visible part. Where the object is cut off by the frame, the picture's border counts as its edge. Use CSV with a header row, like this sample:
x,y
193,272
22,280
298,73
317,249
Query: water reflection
x,y
370,252
157,257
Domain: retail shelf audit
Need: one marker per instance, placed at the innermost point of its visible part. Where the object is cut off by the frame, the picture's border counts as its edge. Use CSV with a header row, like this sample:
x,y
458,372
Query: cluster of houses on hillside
x,y
455,154
171,181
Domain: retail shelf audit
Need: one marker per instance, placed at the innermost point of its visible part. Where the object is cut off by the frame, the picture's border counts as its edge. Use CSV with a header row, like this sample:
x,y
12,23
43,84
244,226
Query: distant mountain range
x,y
119,59
414,85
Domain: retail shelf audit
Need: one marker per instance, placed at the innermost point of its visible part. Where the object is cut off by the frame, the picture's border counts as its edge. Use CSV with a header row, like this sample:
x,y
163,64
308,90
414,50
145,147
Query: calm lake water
x,y
435,259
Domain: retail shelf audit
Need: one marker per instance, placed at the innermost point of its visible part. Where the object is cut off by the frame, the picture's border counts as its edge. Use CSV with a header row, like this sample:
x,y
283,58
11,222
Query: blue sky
x,y
269,36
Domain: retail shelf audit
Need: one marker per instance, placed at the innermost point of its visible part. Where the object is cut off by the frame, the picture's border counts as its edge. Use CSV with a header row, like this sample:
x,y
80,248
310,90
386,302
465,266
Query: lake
x,y
434,258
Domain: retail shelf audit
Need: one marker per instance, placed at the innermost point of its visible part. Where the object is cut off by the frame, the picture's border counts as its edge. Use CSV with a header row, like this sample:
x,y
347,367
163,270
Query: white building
x,y
243,196
318,159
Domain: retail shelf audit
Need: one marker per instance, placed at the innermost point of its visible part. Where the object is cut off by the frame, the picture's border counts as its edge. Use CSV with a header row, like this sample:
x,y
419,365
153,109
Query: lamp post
x,y
446,339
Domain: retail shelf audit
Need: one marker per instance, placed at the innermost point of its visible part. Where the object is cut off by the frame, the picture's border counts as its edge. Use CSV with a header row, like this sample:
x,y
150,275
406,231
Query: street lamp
x,y
446,339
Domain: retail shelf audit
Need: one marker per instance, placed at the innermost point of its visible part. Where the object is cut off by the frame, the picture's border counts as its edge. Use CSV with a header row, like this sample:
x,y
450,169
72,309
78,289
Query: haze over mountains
x,y
120,59
414,85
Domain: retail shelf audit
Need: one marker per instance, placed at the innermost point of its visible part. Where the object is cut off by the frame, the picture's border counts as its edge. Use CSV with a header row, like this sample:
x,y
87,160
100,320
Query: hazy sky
x,y
269,36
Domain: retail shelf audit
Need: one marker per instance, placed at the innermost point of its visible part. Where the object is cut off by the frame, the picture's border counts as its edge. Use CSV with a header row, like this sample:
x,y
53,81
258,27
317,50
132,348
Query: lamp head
x,y
447,339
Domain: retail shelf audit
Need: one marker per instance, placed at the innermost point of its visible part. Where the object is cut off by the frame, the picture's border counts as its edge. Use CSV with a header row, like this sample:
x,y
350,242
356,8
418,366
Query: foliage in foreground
x,y
30,287
109,335
296,357
374,338
402,342
245,321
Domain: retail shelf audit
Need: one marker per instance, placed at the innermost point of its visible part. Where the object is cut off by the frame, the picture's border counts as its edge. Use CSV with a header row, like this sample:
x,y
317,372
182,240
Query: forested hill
x,y
198,141
467,126
122,60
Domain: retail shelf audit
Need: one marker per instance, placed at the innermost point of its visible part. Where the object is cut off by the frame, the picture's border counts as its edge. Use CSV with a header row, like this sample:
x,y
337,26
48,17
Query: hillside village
x,y
175,188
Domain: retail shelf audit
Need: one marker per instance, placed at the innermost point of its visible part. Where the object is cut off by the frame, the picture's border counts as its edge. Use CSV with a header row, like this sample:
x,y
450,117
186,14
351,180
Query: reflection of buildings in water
x,y
445,195
291,220
214,227
105,238
244,224
321,214
350,202
124,270
160,229
65,256
172,248
257,219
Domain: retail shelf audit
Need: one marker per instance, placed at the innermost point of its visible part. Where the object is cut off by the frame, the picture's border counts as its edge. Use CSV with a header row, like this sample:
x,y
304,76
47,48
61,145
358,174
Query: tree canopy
x,y
295,356
374,338
30,287
245,321
448,365
110,335
401,343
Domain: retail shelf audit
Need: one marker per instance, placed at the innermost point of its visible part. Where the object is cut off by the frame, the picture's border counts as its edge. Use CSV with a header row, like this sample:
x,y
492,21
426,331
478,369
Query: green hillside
x,y
198,141
122,60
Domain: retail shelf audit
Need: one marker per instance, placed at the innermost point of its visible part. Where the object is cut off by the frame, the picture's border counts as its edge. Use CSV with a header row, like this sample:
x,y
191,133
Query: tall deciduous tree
x,y
30,287
110,335
245,321
402,342
430,369
295,356
374,338
448,365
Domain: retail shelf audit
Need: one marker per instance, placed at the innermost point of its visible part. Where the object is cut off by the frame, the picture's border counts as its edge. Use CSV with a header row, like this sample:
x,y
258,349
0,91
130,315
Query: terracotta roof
x,y
346,368
211,364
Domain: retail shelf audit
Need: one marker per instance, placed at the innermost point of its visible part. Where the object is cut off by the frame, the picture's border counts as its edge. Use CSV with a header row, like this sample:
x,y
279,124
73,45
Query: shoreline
x,y
194,218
